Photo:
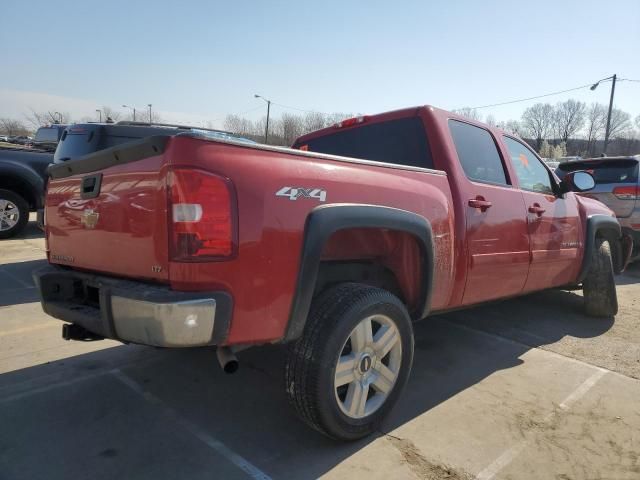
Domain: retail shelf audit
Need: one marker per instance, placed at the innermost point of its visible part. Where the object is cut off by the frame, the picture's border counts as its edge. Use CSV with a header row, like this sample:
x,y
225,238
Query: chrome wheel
x,y
9,215
368,366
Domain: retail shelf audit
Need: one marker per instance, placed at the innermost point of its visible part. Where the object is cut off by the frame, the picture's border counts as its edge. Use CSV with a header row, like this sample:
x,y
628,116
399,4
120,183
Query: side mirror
x,y
578,181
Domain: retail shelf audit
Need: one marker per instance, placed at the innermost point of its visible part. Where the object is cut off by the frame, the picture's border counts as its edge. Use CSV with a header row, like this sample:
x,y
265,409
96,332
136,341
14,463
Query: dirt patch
x,y
423,467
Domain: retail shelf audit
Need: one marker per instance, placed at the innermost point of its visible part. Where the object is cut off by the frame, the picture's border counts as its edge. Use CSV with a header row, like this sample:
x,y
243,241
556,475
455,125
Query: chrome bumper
x,y
134,312
179,324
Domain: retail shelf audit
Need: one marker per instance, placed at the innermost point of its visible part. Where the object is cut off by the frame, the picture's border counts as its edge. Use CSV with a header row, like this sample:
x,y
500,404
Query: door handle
x,y
537,209
480,202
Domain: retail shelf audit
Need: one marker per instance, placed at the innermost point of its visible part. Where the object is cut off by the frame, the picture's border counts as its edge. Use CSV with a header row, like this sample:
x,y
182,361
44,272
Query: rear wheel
x,y
347,370
599,286
14,213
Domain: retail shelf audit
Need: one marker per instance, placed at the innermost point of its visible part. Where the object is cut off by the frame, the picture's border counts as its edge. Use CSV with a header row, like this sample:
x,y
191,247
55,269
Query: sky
x,y
197,61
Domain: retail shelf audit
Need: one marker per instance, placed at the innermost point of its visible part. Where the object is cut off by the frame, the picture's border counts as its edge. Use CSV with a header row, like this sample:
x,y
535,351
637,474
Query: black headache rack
x,y
80,141
118,155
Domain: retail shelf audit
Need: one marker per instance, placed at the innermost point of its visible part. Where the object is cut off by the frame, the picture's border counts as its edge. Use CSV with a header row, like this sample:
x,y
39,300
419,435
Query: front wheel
x,y
599,286
354,358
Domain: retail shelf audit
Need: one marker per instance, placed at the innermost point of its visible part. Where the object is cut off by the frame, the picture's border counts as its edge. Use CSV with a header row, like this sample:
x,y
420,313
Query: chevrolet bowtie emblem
x,y
89,218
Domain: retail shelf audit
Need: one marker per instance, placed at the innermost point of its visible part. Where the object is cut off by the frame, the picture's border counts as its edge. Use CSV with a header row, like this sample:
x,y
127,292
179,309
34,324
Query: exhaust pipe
x,y
71,331
227,359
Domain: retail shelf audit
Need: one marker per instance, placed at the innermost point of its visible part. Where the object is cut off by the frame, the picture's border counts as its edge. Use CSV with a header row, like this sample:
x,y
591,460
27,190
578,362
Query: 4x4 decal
x,y
293,193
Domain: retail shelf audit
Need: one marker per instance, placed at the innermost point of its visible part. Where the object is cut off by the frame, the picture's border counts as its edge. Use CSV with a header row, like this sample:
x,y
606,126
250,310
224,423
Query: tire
x,y
599,286
14,213
329,338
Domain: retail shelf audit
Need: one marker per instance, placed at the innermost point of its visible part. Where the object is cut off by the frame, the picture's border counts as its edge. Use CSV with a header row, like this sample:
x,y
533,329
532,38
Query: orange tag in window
x,y
523,160
304,148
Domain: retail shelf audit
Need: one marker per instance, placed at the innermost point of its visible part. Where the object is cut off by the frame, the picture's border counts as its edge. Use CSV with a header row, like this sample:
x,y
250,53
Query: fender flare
x,y
29,177
596,223
324,221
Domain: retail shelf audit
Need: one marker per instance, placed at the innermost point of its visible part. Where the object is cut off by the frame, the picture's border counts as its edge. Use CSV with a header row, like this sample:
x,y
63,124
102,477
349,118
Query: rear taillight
x,y
201,215
627,193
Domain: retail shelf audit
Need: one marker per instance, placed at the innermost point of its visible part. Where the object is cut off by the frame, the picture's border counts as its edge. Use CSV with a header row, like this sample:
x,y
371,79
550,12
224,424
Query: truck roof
x,y
393,115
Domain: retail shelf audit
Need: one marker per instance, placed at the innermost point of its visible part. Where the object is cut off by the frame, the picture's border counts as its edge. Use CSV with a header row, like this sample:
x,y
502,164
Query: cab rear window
x,y
401,142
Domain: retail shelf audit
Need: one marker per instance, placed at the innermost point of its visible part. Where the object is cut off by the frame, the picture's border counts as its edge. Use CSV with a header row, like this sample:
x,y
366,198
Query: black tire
x,y
599,286
311,360
23,213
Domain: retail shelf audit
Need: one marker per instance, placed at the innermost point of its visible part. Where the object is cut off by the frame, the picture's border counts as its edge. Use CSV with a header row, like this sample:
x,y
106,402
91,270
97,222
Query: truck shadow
x,y
112,429
16,283
30,231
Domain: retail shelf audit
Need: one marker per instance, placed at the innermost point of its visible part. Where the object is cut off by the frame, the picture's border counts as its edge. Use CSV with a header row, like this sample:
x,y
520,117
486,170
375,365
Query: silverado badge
x,y
89,218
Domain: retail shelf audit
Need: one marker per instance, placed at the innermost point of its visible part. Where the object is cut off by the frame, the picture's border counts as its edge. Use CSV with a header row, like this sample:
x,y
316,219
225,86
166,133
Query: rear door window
x,y
401,142
477,153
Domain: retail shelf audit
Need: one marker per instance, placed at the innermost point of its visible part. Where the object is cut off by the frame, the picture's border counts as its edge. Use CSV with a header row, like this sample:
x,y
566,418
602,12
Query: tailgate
x,y
107,212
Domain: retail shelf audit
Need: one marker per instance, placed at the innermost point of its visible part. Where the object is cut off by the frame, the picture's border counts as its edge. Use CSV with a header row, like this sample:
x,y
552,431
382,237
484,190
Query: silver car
x,y
617,186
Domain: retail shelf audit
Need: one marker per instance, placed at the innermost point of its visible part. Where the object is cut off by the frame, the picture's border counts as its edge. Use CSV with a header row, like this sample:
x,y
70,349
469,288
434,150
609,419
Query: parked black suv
x,y
47,138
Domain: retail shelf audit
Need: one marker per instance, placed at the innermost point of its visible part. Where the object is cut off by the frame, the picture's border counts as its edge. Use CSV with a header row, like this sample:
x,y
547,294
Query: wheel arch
x,y
326,220
25,183
601,226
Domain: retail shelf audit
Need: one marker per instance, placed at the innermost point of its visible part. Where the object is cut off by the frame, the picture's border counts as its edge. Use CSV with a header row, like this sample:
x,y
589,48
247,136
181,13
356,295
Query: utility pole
x,y
266,130
134,111
99,113
149,105
613,89
607,131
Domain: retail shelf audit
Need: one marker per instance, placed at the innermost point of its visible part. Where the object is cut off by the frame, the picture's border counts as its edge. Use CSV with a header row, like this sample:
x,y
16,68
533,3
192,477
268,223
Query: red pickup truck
x,y
334,246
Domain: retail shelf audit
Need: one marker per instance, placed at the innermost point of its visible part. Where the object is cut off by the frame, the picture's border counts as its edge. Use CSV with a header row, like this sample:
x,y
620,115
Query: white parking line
x,y
194,429
511,453
582,389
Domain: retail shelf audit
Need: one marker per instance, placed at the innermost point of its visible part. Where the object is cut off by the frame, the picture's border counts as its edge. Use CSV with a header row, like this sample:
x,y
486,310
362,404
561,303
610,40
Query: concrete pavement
x,y
522,389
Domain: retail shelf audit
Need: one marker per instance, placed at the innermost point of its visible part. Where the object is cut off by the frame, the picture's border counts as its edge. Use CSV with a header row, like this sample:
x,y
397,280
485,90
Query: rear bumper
x,y
134,312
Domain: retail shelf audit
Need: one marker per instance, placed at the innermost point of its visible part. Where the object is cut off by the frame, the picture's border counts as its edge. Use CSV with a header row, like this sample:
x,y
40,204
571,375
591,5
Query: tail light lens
x,y
627,193
202,216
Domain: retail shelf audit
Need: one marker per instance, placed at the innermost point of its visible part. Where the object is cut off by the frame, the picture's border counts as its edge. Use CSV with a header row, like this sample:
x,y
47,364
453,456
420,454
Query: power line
x,y
298,109
536,97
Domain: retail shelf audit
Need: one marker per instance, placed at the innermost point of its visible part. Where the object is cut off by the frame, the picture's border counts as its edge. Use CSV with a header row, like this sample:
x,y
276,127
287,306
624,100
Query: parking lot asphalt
x,y
520,389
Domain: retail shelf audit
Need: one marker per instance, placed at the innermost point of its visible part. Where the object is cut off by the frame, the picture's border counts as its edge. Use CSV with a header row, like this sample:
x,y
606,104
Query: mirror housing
x,y
578,181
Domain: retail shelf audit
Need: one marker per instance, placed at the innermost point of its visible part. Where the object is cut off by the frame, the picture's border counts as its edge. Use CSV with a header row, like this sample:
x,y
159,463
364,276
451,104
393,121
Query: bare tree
x,y
511,126
596,119
491,121
292,127
108,112
238,125
638,121
39,119
470,113
568,118
537,122
337,117
313,121
12,127
620,124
